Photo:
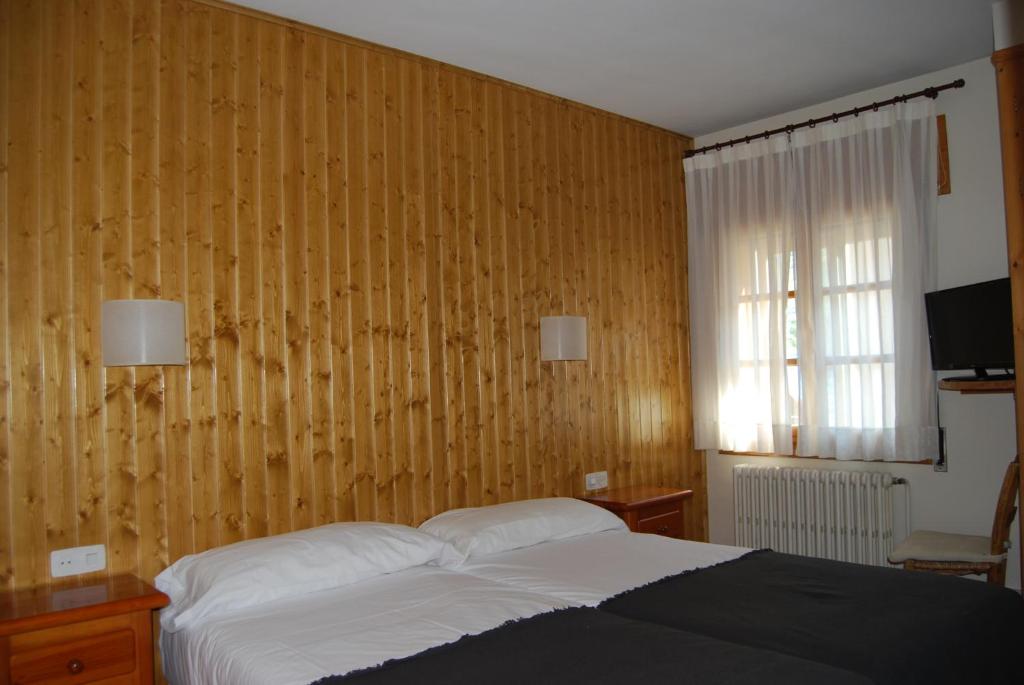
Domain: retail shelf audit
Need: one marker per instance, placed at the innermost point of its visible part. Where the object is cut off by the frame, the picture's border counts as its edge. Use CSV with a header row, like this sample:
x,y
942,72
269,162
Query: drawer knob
x,y
662,529
75,667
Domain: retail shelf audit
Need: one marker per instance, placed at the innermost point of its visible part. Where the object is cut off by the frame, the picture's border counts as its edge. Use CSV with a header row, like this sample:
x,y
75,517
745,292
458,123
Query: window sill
x,y
926,462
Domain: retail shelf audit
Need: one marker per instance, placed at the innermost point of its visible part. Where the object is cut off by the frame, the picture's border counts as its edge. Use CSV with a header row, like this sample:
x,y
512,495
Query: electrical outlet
x,y
597,480
75,560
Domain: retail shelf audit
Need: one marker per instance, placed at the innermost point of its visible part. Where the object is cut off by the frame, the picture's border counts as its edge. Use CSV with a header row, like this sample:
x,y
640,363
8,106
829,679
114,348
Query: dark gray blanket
x,y
588,646
891,625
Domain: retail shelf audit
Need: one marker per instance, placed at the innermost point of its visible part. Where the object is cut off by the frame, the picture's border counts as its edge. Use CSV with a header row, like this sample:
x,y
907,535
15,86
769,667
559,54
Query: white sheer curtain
x,y
809,258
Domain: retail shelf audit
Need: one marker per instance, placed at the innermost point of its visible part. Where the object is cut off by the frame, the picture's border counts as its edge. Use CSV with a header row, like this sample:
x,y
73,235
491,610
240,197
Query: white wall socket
x,y
75,560
597,480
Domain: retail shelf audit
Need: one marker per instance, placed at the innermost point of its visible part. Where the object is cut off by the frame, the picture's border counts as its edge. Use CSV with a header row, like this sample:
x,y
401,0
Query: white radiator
x,y
843,515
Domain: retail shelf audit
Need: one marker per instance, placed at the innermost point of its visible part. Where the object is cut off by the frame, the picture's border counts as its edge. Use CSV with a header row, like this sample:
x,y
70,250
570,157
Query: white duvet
x,y
591,568
298,640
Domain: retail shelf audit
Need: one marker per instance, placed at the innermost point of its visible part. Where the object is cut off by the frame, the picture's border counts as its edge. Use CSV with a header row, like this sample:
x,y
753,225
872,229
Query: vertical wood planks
x,y
296,266
27,486
224,216
318,283
340,321
421,442
455,431
251,355
55,227
172,204
365,243
359,287
500,358
382,407
397,310
6,513
205,466
118,278
145,240
434,290
516,222
271,113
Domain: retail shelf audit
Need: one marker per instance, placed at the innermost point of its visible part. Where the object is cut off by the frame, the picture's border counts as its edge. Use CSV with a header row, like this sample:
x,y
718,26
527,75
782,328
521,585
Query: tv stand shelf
x,y
977,387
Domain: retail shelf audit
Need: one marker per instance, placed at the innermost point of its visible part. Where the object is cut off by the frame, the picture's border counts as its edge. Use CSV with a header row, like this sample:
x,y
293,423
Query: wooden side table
x,y
646,508
101,632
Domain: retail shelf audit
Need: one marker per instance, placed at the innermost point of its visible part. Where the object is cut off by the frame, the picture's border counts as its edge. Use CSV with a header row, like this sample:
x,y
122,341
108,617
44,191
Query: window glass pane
x,y
793,393
860,394
791,336
745,330
886,333
885,259
856,262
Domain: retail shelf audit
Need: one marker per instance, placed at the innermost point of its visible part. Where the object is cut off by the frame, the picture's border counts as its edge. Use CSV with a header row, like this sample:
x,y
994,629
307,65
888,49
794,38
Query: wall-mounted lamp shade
x,y
143,333
563,338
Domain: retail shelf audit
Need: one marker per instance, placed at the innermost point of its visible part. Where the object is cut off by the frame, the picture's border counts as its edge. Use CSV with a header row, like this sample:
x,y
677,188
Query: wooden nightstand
x,y
98,633
646,509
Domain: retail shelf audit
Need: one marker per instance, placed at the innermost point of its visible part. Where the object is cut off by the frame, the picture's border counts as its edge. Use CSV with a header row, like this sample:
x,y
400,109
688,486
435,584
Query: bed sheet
x,y
589,569
301,639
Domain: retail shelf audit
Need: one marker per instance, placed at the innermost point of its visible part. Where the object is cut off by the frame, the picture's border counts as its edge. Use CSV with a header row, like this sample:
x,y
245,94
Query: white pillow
x,y
501,527
255,571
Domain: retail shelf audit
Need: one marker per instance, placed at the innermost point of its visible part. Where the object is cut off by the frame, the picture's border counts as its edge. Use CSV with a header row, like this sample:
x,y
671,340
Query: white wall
x,y
971,247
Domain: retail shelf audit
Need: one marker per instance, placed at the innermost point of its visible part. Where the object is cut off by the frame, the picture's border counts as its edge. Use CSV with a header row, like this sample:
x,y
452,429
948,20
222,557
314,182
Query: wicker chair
x,y
961,555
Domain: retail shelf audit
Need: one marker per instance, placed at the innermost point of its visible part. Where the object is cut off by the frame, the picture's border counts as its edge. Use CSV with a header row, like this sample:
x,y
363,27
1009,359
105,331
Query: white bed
x,y
301,639
588,569
251,613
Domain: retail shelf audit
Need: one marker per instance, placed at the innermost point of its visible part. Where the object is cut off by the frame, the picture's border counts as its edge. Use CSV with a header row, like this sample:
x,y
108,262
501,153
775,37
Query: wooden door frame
x,y
1009,66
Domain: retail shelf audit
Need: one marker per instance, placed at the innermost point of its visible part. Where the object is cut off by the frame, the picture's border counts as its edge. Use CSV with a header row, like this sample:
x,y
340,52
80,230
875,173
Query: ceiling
x,y
693,66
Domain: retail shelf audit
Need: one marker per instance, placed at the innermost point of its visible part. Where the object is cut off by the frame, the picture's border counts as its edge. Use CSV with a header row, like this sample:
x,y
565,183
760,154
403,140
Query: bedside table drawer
x,y
81,661
73,634
669,523
646,508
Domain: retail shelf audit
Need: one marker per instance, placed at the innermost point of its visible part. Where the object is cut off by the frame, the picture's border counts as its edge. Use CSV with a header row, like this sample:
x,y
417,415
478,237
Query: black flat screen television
x,y
971,327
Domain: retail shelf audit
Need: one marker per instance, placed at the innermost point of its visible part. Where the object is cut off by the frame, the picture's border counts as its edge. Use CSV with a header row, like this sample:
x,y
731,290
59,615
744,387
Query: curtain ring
x,y
835,118
874,106
811,123
766,135
718,147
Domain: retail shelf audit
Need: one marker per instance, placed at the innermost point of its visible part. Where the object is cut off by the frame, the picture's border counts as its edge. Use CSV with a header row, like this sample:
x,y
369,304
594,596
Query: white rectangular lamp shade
x,y
563,338
143,333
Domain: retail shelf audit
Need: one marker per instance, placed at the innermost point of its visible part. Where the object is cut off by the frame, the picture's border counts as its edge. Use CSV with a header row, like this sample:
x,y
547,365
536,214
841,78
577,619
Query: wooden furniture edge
x,y
1009,72
153,599
615,505
977,387
388,50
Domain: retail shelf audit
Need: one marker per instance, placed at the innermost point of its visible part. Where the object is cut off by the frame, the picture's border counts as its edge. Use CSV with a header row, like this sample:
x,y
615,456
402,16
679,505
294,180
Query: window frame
x,y
795,362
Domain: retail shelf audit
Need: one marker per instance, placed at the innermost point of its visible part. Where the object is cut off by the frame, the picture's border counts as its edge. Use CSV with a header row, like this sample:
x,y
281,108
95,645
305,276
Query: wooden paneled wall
x,y
364,240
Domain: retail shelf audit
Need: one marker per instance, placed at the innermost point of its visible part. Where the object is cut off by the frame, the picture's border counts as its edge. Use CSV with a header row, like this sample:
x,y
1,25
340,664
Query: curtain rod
x,y
930,92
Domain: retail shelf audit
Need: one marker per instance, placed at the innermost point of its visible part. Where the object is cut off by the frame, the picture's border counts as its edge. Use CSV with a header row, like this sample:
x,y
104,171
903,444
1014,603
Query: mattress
x,y
589,569
302,639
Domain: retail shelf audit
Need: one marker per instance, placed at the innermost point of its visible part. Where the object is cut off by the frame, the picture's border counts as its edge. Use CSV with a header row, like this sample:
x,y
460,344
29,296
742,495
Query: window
x,y
809,258
854,309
